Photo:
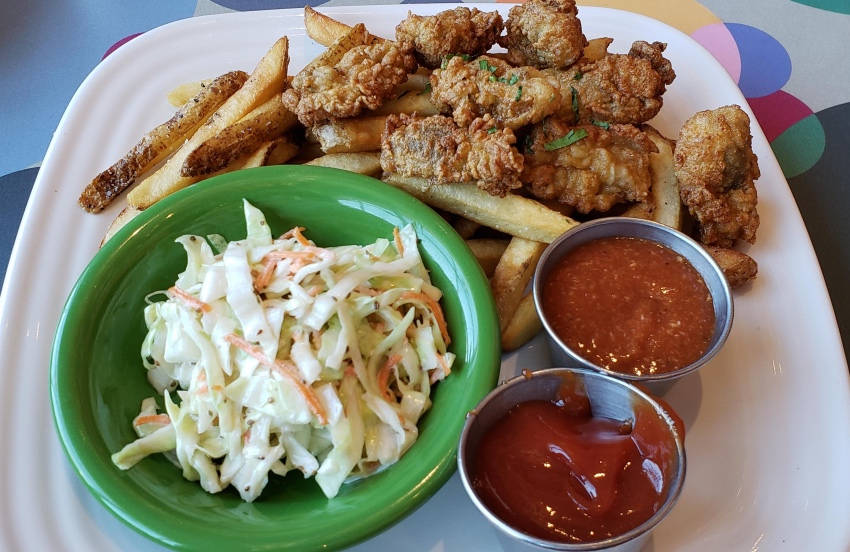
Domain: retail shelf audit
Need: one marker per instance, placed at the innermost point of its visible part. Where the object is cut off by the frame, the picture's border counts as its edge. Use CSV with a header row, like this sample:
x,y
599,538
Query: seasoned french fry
x,y
368,163
488,253
266,81
258,158
186,91
665,186
512,214
261,125
126,215
524,325
409,101
325,29
512,274
281,152
159,143
350,135
308,152
465,227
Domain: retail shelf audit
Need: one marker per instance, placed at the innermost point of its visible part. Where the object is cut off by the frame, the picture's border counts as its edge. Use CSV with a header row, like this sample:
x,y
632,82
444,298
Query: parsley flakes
x,y
601,124
573,136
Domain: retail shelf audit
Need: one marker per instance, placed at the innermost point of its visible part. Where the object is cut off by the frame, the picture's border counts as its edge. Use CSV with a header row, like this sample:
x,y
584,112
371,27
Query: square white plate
x,y
768,445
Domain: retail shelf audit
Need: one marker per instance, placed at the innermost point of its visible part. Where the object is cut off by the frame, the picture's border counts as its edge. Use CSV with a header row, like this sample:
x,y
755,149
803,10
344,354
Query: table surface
x,y
798,87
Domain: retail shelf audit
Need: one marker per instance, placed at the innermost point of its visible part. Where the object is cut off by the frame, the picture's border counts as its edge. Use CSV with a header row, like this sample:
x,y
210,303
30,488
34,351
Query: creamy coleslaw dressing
x,y
276,355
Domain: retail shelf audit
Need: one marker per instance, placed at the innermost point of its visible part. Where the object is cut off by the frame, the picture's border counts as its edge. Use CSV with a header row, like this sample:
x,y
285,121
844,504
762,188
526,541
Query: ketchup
x,y
552,470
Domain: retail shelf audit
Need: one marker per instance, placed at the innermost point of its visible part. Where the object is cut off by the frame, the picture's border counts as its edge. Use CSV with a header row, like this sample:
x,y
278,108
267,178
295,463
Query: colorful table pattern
x,y
790,59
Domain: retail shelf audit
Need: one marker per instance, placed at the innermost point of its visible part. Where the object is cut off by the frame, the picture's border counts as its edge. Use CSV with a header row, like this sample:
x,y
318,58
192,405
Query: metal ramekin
x,y
609,397
637,228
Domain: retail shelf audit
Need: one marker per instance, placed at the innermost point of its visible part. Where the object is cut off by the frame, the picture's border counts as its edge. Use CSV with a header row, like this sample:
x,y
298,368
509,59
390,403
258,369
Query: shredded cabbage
x,y
273,355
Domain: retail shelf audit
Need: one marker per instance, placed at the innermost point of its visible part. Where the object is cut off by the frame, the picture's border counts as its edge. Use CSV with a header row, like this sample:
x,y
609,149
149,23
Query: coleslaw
x,y
273,355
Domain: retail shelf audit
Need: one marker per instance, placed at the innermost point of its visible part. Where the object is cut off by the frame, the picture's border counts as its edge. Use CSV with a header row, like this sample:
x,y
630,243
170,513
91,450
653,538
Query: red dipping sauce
x,y
629,305
551,470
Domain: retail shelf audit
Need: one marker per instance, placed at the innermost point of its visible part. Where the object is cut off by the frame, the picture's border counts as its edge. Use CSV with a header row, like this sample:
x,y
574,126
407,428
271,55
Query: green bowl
x,y
97,380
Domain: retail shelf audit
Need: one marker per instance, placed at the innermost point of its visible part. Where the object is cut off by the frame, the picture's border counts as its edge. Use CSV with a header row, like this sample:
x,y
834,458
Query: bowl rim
x,y
644,528
68,416
725,297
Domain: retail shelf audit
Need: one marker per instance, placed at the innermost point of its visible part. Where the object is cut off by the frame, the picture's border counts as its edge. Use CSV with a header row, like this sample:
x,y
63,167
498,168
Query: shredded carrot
x,y
291,232
349,369
384,377
398,245
435,308
300,237
284,368
434,377
246,436
189,299
152,419
314,291
270,263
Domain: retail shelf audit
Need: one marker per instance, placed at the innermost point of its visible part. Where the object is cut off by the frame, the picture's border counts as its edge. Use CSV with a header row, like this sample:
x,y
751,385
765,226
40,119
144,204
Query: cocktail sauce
x,y
552,470
629,305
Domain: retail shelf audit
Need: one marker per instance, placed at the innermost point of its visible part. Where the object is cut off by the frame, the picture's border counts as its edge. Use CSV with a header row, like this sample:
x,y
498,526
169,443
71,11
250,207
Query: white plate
x,y
768,445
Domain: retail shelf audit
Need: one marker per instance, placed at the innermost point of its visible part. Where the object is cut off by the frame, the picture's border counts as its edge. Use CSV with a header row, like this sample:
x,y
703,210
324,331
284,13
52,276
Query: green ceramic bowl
x,y
97,380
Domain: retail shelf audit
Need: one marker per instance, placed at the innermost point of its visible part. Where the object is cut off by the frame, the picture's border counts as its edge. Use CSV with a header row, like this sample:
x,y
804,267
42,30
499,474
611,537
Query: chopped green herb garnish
x,y
492,130
492,78
569,139
575,102
578,75
518,94
514,80
484,65
464,57
427,89
601,124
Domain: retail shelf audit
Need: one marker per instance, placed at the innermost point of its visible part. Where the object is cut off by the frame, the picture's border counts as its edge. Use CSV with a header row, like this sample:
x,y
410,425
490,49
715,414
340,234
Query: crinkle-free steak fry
x,y
160,142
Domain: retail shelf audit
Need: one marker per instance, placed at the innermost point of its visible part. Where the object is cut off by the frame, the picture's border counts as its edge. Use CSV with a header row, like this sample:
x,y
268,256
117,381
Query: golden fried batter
x,y
619,88
457,31
595,172
514,96
364,78
739,268
544,33
435,147
716,168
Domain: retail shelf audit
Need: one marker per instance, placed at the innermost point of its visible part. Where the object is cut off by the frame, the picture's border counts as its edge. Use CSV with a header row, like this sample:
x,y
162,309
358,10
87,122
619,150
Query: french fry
x,y
159,143
465,227
524,325
266,81
282,151
512,214
258,158
186,91
324,29
512,274
126,215
350,135
308,152
368,163
665,186
409,101
487,253
263,124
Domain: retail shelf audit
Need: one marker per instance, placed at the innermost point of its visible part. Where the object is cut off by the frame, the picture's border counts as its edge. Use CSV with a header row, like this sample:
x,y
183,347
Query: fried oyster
x,y
716,169
435,147
544,34
364,77
588,167
458,31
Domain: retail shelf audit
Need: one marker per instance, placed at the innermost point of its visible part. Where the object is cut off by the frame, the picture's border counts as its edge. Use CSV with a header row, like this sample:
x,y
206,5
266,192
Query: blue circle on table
x,y
765,64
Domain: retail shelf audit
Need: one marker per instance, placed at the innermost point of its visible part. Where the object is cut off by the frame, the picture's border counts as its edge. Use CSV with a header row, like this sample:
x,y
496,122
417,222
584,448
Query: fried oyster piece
x,y
544,34
739,268
458,31
716,169
588,167
435,147
619,88
513,96
363,78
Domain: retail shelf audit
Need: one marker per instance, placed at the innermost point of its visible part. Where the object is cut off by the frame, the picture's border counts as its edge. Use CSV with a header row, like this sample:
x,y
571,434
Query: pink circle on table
x,y
777,112
717,39
118,44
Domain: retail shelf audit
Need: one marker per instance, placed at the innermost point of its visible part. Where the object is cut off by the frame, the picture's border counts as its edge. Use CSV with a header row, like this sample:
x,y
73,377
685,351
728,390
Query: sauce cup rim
x,y
676,484
724,297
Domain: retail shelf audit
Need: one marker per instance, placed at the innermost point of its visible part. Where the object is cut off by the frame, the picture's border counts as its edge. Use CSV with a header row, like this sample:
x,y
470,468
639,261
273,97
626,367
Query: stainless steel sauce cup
x,y
637,228
610,398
